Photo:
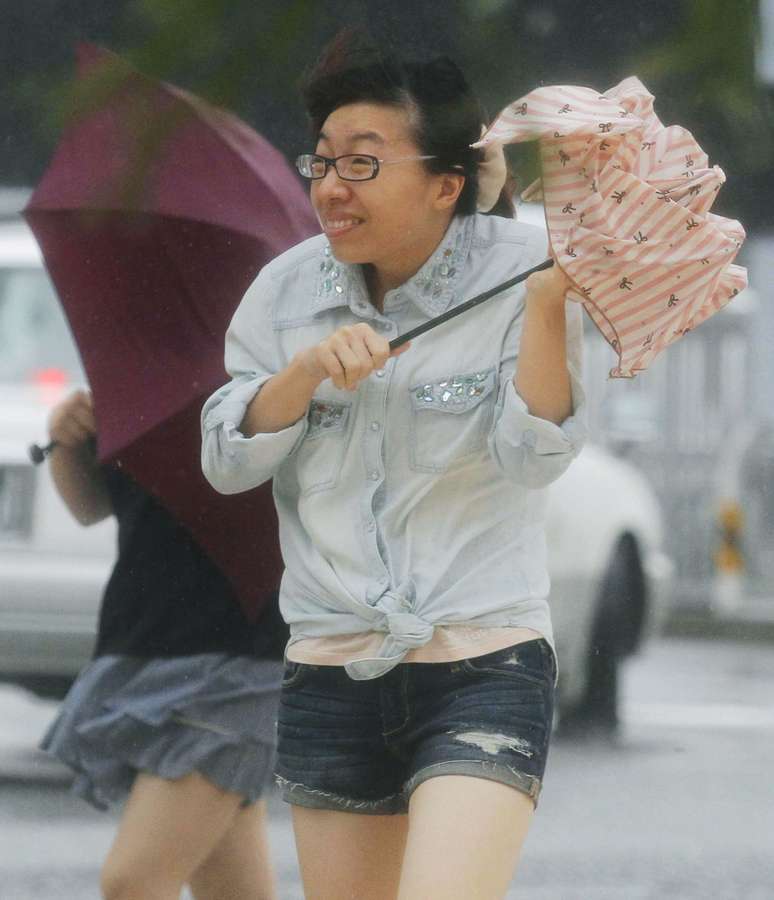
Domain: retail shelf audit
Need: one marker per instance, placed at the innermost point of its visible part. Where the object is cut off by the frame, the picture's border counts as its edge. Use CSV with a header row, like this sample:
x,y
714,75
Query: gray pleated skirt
x,y
210,713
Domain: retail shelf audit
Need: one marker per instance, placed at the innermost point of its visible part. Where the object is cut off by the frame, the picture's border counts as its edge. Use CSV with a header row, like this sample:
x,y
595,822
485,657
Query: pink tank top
x,y
448,644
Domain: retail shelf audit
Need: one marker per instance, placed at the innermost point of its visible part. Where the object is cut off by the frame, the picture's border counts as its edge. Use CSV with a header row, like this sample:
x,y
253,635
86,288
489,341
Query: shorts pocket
x,y
530,661
319,459
450,419
295,674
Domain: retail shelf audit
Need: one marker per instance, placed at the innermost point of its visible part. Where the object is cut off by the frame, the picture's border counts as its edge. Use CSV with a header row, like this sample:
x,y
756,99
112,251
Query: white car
x,y
51,570
610,579
608,571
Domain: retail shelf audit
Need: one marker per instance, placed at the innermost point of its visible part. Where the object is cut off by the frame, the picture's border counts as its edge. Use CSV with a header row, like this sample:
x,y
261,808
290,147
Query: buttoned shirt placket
x,y
370,418
432,291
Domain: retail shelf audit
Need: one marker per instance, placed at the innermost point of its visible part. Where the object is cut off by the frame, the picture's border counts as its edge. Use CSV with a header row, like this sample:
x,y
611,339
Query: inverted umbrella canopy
x,y
154,216
627,205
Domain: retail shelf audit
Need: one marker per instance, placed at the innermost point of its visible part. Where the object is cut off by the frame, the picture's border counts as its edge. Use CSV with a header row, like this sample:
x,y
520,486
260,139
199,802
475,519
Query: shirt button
x,y
380,373
374,426
374,476
371,526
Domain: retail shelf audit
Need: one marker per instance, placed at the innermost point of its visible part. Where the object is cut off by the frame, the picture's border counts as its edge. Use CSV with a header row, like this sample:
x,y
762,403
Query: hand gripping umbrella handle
x,y
468,304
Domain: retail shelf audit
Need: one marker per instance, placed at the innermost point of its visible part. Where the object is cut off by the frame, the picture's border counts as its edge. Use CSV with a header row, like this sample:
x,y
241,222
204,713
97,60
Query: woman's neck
x,y
381,278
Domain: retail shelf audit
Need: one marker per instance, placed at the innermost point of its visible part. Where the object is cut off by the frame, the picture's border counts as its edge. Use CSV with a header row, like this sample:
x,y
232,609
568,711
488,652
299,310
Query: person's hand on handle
x,y
348,356
74,468
542,379
548,288
71,423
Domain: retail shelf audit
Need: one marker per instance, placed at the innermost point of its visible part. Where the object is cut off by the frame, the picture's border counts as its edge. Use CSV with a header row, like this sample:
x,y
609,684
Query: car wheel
x,y
615,634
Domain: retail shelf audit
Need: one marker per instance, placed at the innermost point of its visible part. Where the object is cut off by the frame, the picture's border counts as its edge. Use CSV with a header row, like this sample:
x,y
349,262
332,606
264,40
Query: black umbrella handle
x,y
468,304
38,453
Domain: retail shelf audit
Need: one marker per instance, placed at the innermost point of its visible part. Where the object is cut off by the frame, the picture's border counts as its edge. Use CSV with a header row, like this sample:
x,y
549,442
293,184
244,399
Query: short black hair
x,y
446,115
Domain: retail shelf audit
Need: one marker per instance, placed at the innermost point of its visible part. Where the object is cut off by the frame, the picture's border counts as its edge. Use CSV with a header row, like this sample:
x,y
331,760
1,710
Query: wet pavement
x,y
681,806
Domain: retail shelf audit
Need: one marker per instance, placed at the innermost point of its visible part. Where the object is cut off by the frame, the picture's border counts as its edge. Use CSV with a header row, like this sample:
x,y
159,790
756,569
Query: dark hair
x,y
445,114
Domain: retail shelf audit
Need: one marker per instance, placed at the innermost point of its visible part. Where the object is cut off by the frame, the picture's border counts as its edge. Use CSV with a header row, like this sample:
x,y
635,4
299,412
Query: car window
x,y
35,338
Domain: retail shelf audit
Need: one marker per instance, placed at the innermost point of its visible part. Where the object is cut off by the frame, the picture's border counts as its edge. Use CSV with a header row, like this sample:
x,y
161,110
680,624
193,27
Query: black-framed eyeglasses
x,y
350,167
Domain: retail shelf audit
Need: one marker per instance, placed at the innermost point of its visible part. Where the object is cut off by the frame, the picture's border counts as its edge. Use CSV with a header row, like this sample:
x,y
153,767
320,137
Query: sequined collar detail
x,y
432,289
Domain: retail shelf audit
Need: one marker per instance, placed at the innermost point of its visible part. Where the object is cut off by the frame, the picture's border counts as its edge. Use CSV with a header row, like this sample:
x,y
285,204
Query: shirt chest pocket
x,y
319,459
450,419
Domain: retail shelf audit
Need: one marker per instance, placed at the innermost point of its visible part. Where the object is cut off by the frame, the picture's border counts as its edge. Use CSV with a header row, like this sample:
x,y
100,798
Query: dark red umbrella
x,y
154,216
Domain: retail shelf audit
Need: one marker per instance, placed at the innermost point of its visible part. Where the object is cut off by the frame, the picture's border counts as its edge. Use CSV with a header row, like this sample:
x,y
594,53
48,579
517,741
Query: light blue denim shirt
x,y
417,500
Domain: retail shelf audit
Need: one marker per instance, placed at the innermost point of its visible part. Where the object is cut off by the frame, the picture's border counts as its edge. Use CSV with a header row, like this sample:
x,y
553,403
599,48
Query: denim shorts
x,y
363,746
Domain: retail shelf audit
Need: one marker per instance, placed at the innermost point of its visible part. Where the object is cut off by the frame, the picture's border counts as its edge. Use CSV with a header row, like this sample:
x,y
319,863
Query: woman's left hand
x,y
542,379
548,288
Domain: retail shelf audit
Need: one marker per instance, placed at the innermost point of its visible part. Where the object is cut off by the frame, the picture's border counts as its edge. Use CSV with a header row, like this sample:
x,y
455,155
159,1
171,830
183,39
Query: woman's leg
x,y
464,840
239,867
347,856
168,829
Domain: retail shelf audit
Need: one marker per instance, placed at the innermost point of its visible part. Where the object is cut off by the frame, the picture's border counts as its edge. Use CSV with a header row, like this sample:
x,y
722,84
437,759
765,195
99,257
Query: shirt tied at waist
x,y
405,631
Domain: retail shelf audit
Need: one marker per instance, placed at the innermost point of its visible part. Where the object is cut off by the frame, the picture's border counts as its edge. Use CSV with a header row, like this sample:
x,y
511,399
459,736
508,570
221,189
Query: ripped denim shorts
x,y
363,746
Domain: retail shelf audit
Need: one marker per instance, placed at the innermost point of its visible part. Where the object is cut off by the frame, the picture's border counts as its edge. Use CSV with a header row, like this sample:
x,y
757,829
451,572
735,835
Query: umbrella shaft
x,y
468,304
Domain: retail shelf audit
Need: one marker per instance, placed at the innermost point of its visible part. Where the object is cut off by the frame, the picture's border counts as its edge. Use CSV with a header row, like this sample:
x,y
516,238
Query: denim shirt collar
x,y
434,288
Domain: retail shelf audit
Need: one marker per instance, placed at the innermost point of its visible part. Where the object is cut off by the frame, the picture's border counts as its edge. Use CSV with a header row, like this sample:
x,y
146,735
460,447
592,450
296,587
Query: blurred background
x,y
669,795
710,69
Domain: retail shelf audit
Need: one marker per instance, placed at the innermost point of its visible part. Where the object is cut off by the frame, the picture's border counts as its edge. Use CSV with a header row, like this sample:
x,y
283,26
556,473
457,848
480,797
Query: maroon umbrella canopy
x,y
154,216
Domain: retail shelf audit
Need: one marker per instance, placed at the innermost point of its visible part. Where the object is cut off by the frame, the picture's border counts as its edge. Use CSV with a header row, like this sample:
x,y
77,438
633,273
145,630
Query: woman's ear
x,y
450,186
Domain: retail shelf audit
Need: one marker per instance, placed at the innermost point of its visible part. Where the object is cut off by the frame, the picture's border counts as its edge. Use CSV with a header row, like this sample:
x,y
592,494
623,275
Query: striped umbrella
x,y
627,203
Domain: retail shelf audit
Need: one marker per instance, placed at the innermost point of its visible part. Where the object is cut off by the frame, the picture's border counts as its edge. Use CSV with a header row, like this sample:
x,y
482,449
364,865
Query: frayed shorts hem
x,y
397,804
478,768
312,798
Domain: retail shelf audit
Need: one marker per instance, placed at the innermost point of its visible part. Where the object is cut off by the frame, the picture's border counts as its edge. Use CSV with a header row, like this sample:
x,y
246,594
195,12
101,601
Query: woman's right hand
x,y
74,467
348,356
71,423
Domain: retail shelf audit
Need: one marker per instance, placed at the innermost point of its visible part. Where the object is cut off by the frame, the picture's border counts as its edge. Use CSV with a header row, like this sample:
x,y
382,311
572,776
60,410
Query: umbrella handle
x,y
468,304
38,454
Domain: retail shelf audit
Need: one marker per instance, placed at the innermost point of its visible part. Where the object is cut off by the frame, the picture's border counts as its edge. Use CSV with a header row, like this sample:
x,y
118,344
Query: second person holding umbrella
x,y
417,701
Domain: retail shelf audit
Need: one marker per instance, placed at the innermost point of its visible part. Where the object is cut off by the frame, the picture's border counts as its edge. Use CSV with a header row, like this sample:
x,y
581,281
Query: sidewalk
x,y
752,620
24,719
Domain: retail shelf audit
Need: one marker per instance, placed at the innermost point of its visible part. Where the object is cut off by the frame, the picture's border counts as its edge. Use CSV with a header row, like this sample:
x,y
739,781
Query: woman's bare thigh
x,y
464,840
168,828
345,855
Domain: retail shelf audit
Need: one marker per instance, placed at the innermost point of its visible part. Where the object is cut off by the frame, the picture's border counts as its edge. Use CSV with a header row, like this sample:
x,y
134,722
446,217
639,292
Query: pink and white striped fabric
x,y
627,205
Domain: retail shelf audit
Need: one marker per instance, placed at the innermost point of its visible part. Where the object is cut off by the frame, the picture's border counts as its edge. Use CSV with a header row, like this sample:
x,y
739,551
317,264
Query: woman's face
x,y
395,220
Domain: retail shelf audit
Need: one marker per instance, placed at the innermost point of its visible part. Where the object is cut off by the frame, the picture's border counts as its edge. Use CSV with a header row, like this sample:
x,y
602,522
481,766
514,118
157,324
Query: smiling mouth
x,y
341,225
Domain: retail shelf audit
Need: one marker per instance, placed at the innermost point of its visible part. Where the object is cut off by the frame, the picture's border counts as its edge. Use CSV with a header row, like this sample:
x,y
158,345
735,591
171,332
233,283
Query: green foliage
x,y
713,50
707,68
696,56
225,47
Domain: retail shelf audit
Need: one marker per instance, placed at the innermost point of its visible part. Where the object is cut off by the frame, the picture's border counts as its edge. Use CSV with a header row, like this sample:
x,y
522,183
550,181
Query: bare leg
x,y
168,829
347,856
239,867
465,837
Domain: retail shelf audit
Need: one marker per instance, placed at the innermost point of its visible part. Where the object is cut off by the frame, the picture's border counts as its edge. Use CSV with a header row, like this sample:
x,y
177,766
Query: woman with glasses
x,y
417,701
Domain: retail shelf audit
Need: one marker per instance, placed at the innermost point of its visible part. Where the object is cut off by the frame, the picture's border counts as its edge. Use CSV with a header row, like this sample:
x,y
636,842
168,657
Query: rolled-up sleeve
x,y
232,462
530,450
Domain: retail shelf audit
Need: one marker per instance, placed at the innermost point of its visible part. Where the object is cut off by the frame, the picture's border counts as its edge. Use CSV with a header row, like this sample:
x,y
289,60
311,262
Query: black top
x,y
165,597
